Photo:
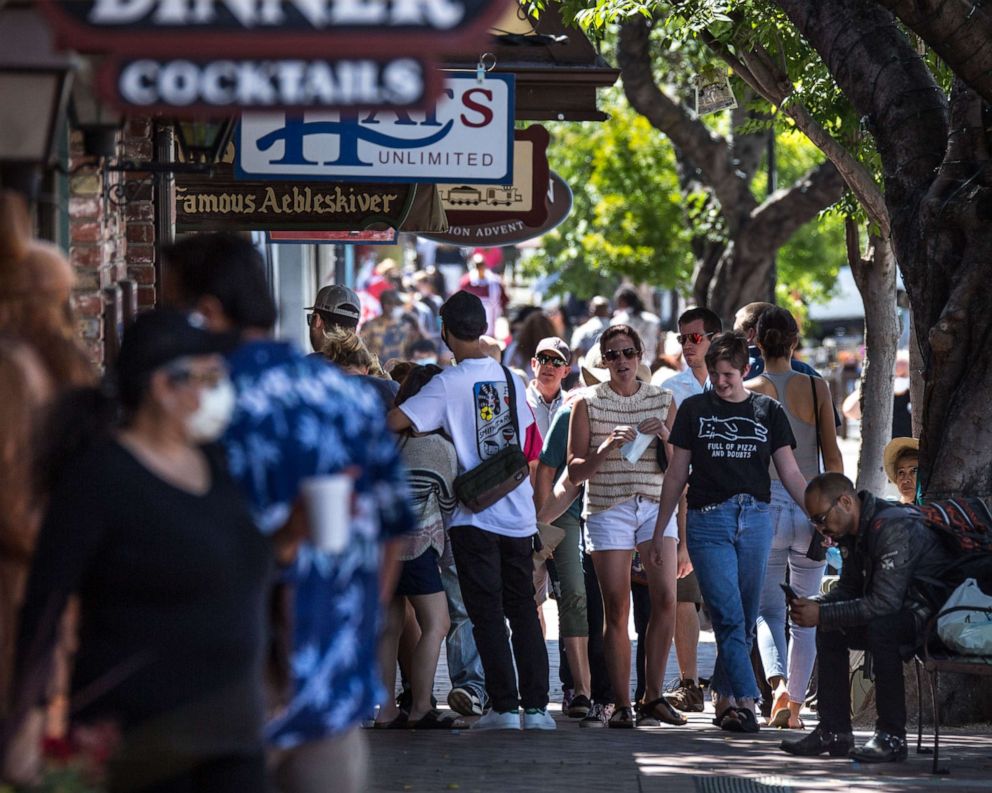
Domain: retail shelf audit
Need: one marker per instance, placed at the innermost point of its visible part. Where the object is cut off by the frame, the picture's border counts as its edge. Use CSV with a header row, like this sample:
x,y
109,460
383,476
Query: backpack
x,y
966,522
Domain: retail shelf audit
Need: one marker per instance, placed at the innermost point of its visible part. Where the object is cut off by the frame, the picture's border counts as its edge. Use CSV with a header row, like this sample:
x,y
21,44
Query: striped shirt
x,y
431,465
617,480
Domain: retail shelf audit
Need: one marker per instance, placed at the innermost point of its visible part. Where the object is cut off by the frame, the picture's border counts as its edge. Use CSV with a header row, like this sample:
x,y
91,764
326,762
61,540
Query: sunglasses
x,y
821,519
695,338
210,378
614,355
310,319
554,360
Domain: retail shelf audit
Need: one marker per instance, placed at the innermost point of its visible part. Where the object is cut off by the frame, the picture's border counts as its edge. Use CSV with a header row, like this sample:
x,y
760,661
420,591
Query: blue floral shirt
x,y
298,416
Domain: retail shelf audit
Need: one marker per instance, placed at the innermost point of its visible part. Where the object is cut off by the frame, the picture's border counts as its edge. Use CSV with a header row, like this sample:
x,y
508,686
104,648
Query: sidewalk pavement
x,y
697,758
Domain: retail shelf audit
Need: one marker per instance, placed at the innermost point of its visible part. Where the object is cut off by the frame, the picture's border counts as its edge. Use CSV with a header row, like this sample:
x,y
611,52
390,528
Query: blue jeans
x,y
464,664
728,544
791,536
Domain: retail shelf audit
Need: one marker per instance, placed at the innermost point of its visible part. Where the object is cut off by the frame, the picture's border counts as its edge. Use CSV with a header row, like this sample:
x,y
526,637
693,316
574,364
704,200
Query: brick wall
x,y
111,231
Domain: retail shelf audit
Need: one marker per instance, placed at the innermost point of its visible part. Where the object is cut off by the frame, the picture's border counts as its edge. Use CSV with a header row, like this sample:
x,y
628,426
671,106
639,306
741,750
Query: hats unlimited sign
x,y
467,136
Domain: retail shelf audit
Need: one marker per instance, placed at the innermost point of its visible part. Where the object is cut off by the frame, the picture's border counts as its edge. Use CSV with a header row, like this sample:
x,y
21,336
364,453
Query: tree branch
x,y
887,81
785,211
706,151
959,32
758,70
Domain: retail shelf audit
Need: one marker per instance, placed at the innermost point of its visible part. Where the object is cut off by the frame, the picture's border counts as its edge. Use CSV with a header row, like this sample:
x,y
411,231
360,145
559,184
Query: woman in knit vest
x,y
621,506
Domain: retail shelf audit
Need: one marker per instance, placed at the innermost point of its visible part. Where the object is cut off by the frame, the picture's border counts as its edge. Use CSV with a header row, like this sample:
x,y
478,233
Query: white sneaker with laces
x,y
494,720
465,702
538,719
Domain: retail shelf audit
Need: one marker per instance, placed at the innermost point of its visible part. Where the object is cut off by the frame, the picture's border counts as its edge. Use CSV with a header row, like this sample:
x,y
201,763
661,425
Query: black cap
x,y
464,316
159,337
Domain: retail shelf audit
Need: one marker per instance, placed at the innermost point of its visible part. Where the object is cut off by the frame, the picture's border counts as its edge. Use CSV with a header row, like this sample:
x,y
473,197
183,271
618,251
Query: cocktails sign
x,y
467,136
208,57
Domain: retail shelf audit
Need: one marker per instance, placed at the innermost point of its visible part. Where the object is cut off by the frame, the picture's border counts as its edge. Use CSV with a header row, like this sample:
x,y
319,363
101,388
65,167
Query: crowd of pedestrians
x,y
232,626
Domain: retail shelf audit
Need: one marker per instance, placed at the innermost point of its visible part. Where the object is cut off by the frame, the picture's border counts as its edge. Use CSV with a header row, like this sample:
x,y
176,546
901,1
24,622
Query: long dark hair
x,y
77,421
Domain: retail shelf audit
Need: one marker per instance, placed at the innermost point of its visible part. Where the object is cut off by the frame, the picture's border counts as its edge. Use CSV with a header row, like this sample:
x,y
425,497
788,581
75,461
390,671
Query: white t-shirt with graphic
x,y
470,401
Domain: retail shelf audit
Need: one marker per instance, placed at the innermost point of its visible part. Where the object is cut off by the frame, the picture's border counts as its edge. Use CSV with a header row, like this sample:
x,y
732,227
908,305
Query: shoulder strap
x,y
513,405
816,420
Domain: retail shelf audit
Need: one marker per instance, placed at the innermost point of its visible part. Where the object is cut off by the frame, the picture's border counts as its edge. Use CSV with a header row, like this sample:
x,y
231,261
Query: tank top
x,y
617,480
805,432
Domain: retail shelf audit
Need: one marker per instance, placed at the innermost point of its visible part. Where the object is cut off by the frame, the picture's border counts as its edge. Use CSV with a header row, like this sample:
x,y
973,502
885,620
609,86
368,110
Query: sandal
x,y
723,715
433,720
659,710
740,720
623,717
398,723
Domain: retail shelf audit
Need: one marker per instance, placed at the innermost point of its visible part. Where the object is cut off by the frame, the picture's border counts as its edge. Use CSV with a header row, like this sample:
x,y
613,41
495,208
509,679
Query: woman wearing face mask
x,y
145,526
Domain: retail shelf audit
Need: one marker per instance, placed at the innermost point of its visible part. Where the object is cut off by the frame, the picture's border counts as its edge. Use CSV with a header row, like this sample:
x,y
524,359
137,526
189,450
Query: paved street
x,y
696,758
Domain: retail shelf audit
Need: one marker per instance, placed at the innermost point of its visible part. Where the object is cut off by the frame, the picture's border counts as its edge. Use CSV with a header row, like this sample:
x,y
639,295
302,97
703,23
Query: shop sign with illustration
x,y
466,136
511,231
522,199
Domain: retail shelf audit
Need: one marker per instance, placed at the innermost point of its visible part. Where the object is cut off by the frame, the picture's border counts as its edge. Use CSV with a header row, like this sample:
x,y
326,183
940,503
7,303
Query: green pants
x,y
572,617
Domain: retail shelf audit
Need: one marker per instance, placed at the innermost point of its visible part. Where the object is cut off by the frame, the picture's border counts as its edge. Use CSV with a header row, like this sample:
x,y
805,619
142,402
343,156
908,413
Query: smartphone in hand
x,y
790,593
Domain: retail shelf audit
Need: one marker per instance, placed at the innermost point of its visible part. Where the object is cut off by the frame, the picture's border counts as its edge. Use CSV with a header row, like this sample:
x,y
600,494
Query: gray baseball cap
x,y
339,301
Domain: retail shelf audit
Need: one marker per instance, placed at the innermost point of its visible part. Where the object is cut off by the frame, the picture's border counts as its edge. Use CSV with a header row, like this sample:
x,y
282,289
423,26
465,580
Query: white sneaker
x,y
535,719
494,720
464,701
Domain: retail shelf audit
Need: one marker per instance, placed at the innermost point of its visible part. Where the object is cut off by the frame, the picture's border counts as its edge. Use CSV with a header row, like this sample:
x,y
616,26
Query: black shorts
x,y
420,576
687,590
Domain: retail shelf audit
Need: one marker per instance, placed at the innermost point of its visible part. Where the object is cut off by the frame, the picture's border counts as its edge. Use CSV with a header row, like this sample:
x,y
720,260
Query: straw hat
x,y
893,451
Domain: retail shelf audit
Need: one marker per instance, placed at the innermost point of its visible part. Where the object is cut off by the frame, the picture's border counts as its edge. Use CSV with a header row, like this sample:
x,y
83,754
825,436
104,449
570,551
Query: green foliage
x,y
627,218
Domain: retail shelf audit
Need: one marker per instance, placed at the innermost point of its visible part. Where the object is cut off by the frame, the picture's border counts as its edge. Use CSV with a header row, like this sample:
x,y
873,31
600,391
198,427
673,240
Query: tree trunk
x,y
875,274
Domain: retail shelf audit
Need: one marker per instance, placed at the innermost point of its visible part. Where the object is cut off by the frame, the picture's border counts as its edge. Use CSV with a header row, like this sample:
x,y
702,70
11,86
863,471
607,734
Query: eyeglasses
x,y
695,338
210,378
614,355
554,360
821,519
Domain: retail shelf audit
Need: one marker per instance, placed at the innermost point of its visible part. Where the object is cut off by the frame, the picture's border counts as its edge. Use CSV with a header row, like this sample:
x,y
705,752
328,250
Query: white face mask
x,y
397,312
900,385
214,414
427,361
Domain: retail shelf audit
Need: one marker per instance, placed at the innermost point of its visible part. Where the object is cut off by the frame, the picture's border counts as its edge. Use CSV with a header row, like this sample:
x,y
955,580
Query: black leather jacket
x,y
894,563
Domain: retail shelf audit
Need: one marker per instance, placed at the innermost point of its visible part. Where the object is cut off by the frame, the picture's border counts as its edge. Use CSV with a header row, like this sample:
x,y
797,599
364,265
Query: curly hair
x,y
344,348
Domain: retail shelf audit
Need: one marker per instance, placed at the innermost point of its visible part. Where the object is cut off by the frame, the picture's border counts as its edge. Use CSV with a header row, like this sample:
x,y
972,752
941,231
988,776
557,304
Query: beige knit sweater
x,y
617,480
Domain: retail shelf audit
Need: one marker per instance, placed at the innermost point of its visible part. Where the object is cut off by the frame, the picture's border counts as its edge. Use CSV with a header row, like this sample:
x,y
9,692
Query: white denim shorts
x,y
626,525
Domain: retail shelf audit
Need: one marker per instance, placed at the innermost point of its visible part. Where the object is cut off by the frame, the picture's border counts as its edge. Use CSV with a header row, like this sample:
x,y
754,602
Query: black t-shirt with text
x,y
731,445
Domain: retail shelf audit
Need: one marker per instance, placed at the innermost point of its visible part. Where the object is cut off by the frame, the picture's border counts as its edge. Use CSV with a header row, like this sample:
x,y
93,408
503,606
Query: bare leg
x,y
432,618
613,572
661,624
388,644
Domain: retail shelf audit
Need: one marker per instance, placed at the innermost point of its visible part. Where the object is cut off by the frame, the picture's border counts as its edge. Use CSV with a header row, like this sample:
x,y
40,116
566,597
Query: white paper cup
x,y
328,503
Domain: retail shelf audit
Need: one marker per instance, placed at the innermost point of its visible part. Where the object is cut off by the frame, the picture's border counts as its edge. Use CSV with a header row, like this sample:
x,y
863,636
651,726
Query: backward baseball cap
x,y
339,301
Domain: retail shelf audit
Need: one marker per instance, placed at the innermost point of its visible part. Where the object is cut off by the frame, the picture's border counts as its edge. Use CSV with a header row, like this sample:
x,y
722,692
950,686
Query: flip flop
x,y
780,719
433,720
661,710
398,723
